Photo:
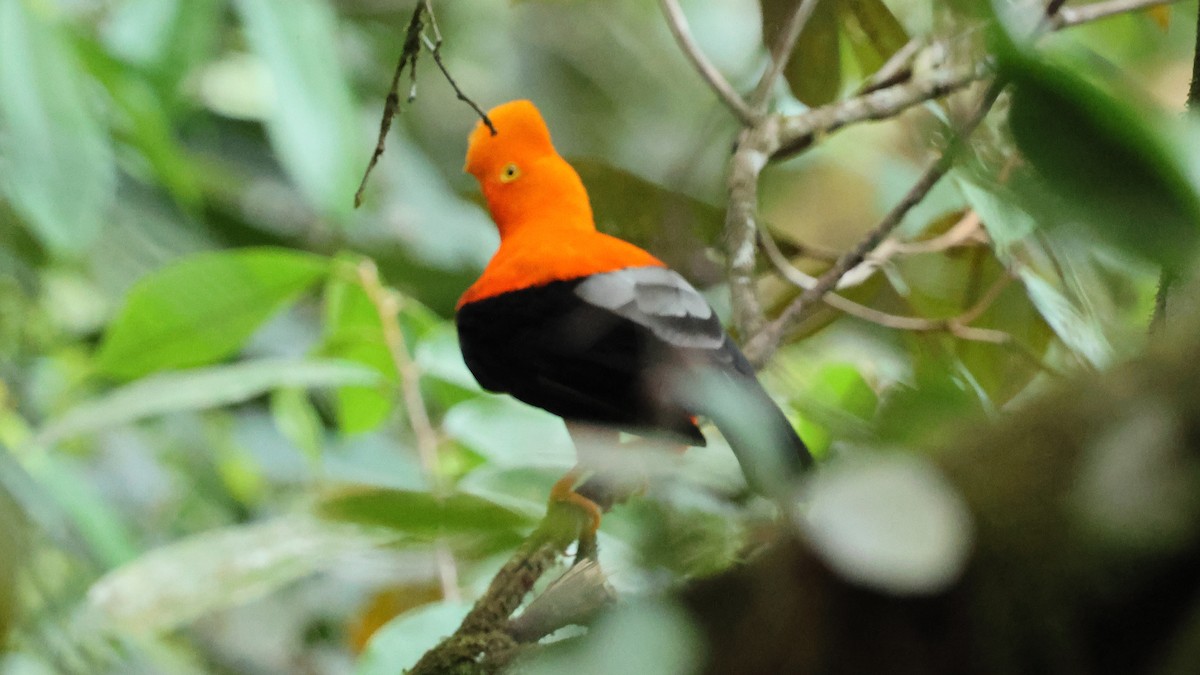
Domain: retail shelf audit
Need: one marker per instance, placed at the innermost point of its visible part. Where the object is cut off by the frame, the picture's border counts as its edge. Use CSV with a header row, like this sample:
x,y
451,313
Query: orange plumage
x,y
547,232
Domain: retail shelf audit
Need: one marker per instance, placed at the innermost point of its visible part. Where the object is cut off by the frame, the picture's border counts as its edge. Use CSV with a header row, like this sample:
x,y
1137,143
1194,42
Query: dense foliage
x,y
236,434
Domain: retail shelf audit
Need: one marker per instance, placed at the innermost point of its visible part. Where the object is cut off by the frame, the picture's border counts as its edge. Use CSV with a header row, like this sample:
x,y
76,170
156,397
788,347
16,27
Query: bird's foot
x,y
564,492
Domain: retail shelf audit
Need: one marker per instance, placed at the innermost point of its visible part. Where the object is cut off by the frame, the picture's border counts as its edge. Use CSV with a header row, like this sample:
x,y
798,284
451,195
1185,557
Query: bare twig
x,y
966,231
387,309
760,346
796,132
409,53
897,69
956,325
435,47
781,53
391,106
1073,16
677,22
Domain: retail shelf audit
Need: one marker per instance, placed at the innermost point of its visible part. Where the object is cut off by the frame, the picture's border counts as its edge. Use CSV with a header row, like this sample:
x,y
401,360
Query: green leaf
x,y
203,308
1111,165
57,168
814,71
195,390
312,124
421,513
654,634
917,413
298,421
873,31
108,539
1005,221
14,531
509,433
353,333
171,586
839,403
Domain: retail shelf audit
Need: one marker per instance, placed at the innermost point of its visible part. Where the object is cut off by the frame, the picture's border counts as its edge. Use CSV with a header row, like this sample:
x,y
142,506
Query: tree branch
x,y
677,22
955,325
485,633
760,346
1073,16
388,309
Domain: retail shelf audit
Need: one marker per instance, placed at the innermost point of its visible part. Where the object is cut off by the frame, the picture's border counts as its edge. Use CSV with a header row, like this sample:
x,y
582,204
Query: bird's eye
x,y
509,173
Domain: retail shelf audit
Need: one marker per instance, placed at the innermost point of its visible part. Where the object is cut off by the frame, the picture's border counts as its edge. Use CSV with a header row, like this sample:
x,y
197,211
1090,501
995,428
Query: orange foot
x,y
564,492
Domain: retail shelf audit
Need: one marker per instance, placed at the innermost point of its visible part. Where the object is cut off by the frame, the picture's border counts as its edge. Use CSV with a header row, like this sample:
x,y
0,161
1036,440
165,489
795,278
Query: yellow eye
x,y
510,173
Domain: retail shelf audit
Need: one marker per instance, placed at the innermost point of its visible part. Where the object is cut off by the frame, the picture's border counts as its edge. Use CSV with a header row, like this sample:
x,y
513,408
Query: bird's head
x,y
522,177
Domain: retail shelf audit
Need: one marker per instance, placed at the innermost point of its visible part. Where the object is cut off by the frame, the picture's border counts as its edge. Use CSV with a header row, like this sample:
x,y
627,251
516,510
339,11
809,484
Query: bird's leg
x,y
590,442
564,492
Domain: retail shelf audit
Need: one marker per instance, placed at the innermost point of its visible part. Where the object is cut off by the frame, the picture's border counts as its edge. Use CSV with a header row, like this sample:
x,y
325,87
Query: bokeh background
x,y
211,452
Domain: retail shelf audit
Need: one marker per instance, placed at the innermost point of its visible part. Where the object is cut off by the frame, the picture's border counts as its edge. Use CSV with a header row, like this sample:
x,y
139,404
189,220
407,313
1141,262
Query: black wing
x,y
595,349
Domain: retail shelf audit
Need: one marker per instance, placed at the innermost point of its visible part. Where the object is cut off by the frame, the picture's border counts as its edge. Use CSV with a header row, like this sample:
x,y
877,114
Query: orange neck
x,y
550,197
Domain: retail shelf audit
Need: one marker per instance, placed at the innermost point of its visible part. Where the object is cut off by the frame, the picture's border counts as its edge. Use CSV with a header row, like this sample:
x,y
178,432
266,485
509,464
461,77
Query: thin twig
x,y
391,106
796,132
1073,16
414,37
435,48
966,231
897,69
760,346
956,325
677,22
781,53
387,309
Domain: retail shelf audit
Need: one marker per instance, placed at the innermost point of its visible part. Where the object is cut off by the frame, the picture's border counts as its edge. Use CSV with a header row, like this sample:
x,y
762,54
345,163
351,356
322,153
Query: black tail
x,y
768,448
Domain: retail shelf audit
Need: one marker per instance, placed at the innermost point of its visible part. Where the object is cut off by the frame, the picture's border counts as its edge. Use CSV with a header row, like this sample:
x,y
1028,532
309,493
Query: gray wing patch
x,y
659,299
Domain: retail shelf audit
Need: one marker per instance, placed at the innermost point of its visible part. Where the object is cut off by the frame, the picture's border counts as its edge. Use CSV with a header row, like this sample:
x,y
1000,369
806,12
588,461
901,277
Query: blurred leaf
x,y
838,404
893,523
1002,216
673,226
877,35
1161,15
109,541
144,122
353,333
385,605
312,122
814,72
14,532
1082,334
420,513
654,636
1104,160
57,168
166,37
171,586
197,389
203,308
917,412
403,640
509,433
298,421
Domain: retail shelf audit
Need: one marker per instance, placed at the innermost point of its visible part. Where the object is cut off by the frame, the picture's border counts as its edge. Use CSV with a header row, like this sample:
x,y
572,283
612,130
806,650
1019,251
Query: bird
x,y
585,325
